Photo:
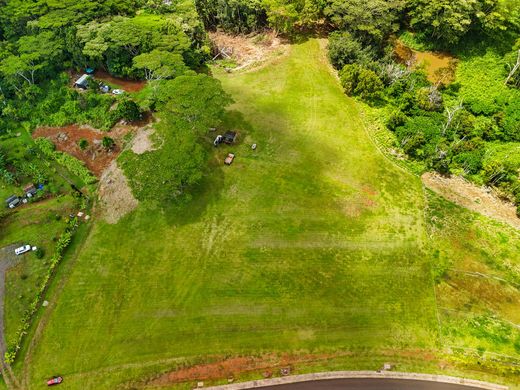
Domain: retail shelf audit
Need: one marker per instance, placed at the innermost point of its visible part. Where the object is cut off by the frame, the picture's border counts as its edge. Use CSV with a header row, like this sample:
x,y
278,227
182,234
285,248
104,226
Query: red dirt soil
x,y
267,365
127,85
233,367
95,157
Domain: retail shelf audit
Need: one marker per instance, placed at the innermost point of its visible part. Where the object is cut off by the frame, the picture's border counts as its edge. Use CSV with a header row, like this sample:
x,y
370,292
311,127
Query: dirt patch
x,y
480,199
95,157
268,365
142,141
439,66
246,50
115,197
127,85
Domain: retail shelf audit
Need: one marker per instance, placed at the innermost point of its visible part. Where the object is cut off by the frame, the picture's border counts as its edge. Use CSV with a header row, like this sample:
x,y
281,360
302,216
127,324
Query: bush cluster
x,y
469,127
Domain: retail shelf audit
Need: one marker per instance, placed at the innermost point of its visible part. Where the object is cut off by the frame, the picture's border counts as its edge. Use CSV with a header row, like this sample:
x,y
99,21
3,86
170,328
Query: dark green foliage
x,y
447,21
372,21
128,110
420,135
83,144
166,173
345,49
176,96
470,161
108,143
359,81
39,253
238,16
396,119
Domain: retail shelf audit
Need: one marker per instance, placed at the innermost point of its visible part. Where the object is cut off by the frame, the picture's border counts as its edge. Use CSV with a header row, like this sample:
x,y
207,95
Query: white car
x,y
22,249
118,91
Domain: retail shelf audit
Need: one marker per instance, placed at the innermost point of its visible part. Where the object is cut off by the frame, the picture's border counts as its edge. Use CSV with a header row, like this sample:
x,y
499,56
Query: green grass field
x,y
313,242
37,224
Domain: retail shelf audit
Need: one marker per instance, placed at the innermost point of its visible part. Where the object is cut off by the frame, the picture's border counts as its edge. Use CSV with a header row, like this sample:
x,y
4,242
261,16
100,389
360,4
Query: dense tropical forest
x,y
464,121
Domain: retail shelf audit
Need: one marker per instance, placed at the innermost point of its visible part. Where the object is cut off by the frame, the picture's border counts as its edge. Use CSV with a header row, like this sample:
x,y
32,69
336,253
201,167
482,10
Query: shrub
x,y
345,49
429,99
83,144
128,110
362,82
46,146
39,253
108,143
396,119
419,136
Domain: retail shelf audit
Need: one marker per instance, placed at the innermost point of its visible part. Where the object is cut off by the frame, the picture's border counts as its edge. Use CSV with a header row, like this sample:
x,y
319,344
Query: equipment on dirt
x,y
229,159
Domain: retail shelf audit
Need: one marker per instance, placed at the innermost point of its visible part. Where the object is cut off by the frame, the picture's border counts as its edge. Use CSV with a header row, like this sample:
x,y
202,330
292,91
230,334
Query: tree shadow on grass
x,y
194,205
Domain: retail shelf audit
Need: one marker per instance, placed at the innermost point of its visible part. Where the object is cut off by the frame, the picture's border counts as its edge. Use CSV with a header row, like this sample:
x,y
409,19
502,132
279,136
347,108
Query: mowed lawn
x,y
312,243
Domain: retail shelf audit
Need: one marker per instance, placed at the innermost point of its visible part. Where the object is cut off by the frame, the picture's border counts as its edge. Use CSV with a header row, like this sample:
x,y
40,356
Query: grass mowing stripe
x,y
313,242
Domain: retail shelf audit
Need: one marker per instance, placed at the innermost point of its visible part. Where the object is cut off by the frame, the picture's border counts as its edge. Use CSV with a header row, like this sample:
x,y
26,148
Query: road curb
x,y
359,375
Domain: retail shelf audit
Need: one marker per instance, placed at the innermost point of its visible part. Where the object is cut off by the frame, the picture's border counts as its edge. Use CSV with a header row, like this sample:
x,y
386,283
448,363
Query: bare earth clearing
x,y
479,199
247,50
142,141
115,196
95,157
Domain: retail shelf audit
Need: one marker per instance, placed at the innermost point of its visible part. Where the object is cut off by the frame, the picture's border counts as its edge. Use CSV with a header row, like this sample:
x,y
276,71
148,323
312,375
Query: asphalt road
x,y
368,384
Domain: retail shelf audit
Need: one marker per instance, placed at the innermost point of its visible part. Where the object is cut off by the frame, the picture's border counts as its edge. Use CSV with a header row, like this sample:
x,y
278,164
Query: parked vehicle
x,y
54,381
118,91
22,249
230,137
30,190
217,141
13,201
229,159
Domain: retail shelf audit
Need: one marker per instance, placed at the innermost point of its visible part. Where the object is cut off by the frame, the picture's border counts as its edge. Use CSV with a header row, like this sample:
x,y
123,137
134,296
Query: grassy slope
x,y
478,263
313,242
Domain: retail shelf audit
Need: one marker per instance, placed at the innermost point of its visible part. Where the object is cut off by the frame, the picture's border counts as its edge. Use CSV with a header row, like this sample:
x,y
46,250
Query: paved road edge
x,y
359,375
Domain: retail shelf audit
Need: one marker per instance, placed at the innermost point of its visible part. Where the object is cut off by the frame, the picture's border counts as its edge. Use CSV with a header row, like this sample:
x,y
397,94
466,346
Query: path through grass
x,y
313,242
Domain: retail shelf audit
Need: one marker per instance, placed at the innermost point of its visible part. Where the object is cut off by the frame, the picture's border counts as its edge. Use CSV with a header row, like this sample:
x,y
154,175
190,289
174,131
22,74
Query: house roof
x,y
82,80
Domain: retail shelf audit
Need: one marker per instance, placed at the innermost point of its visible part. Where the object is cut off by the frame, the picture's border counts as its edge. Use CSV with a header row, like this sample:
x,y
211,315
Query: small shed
x,y
30,190
230,137
82,82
